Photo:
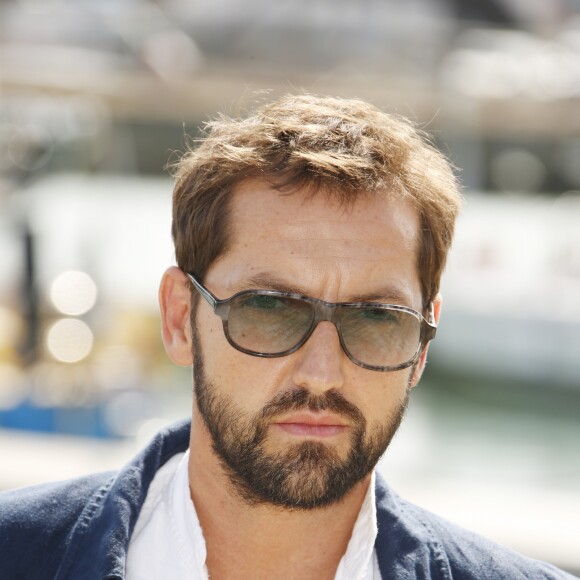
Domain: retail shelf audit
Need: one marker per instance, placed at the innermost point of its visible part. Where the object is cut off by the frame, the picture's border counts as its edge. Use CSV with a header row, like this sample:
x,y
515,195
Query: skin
x,y
316,247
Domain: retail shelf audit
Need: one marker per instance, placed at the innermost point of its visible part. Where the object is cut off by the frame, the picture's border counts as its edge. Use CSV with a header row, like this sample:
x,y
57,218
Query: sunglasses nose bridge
x,y
325,311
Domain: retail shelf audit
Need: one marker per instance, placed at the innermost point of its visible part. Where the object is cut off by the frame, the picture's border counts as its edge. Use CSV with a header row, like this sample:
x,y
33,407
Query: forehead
x,y
326,246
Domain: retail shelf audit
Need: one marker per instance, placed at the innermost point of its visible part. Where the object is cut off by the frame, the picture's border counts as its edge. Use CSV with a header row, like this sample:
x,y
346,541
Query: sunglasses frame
x,y
323,311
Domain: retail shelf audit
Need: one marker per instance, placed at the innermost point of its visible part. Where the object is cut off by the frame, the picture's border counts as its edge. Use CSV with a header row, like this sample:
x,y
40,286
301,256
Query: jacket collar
x,y
405,541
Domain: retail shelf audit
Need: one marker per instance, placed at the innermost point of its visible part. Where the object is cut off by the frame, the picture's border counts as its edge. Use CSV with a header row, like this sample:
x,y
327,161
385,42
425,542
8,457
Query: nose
x,y
319,362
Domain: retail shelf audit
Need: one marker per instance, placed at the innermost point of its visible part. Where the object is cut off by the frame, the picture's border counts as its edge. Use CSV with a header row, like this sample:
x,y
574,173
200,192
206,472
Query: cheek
x,y
248,382
381,395
210,333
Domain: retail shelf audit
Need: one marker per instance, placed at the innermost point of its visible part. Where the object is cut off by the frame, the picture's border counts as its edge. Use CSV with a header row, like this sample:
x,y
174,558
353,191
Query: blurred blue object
x,y
88,421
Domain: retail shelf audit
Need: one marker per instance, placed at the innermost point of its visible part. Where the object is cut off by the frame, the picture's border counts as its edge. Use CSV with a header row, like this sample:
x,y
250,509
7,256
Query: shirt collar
x,y
358,556
185,521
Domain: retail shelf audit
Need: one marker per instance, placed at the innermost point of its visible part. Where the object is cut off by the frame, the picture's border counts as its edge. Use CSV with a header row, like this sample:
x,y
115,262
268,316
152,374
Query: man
x,y
310,240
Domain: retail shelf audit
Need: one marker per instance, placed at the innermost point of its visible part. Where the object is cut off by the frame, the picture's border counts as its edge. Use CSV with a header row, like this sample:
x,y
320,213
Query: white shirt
x,y
168,540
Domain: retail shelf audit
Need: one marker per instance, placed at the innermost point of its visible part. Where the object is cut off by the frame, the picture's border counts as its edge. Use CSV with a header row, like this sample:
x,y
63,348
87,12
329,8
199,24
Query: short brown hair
x,y
341,147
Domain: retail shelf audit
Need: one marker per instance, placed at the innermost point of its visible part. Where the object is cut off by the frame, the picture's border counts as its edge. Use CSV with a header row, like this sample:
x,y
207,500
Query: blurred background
x,y
97,97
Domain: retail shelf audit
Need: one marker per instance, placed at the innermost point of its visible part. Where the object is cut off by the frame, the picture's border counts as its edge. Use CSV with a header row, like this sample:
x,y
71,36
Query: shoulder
x,y
472,556
446,550
81,528
36,522
46,504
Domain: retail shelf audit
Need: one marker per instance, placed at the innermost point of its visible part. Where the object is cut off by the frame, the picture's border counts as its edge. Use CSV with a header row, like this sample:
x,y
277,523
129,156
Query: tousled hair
x,y
341,148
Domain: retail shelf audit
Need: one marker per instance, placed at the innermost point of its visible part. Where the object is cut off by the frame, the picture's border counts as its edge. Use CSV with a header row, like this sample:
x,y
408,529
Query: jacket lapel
x,y
98,543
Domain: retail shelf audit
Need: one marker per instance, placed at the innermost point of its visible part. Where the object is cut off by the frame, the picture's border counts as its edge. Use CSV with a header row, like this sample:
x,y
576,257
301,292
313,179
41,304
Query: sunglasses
x,y
267,323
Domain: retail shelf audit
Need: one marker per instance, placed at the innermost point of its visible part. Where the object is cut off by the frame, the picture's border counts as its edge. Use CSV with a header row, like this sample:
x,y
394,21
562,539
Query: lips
x,y
312,425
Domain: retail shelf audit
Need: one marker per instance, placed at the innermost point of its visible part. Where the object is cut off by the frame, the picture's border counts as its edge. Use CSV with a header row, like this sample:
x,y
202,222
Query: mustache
x,y
301,399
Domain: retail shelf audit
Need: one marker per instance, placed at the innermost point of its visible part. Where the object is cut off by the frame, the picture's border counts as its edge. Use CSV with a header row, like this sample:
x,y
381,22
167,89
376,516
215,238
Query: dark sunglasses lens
x,y
268,323
380,336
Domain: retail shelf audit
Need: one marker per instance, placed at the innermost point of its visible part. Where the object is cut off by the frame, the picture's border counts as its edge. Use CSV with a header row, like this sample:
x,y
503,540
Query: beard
x,y
306,475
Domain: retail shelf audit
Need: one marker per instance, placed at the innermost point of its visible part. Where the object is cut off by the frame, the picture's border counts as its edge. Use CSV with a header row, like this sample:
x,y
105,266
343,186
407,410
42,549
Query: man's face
x,y
302,430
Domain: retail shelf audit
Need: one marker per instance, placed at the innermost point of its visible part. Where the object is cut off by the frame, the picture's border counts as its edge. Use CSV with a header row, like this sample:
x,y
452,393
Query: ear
x,y
435,313
175,306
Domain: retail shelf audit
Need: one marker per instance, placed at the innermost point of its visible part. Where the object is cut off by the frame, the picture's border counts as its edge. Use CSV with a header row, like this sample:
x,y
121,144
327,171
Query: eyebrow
x,y
386,294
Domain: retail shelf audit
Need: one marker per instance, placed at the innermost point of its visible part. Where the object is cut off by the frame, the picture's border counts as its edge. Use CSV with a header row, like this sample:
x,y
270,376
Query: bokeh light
x,y
73,293
69,340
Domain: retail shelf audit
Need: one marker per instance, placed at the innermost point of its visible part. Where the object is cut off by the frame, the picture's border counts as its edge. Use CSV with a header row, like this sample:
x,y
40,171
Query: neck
x,y
265,538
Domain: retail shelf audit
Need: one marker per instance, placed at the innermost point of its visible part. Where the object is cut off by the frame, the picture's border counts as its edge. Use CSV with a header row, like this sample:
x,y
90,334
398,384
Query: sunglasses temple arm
x,y
206,294
431,326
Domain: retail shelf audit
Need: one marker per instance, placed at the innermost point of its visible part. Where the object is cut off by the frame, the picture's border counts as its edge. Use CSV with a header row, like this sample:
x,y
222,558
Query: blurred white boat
x,y
511,292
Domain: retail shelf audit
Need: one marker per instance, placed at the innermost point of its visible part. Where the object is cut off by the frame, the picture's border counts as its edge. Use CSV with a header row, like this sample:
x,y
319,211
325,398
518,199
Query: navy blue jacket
x,y
80,530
